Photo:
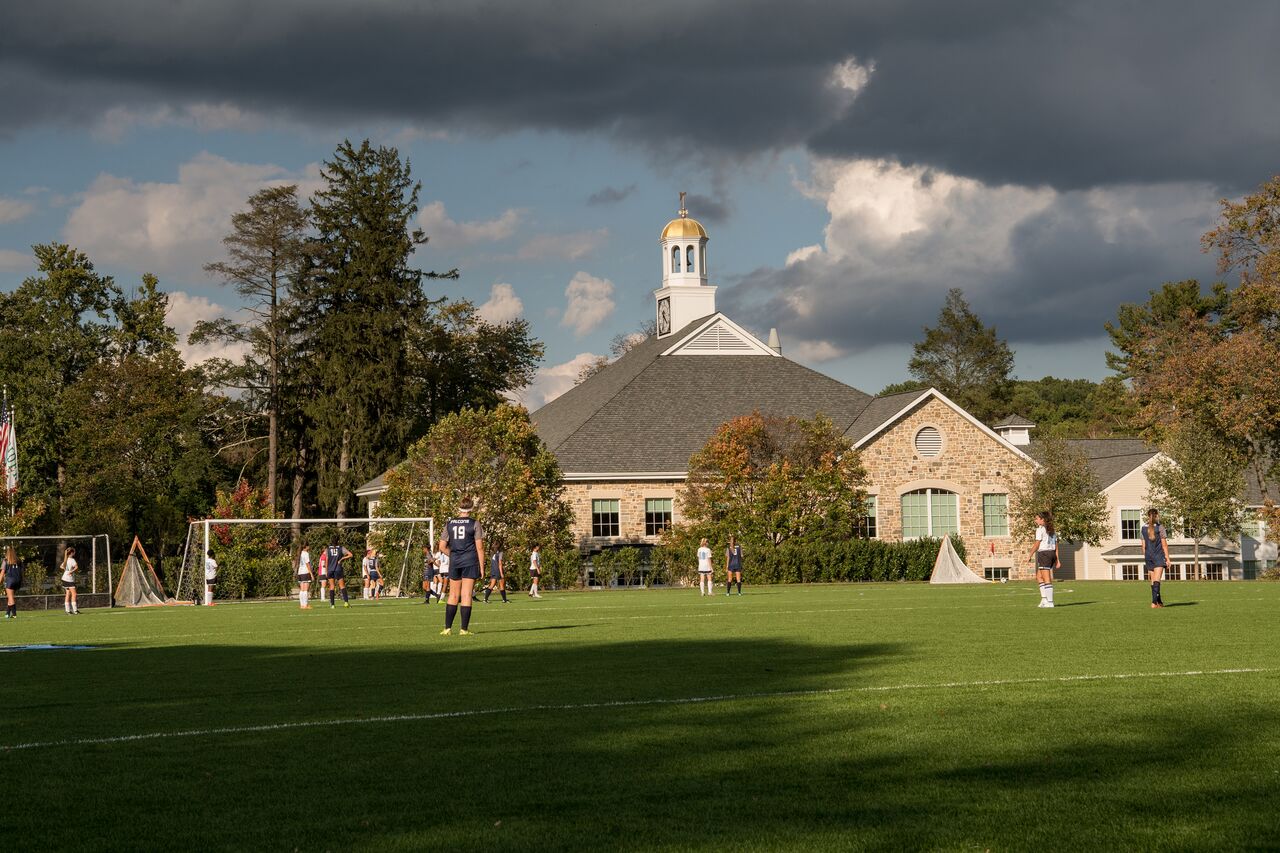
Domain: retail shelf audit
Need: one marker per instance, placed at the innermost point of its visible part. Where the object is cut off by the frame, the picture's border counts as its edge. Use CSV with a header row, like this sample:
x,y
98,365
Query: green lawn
x,y
821,717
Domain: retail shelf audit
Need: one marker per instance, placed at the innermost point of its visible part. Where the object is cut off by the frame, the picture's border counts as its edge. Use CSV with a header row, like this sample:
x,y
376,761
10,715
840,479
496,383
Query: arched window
x,y
688,259
930,512
675,259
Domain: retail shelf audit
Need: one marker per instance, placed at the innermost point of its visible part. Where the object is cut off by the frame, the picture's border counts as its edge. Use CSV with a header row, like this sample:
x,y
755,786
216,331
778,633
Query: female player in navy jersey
x,y
733,567
465,539
12,580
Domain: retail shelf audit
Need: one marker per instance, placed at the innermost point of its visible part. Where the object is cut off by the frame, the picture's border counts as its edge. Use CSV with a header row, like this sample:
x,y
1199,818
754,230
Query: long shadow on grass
x,y
569,746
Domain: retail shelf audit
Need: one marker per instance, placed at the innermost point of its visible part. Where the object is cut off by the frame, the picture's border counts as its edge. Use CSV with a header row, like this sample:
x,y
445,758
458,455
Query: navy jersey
x,y
735,558
333,553
1152,551
12,572
462,534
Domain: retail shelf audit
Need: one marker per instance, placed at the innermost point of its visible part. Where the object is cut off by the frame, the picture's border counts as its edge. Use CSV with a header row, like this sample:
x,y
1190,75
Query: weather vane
x,y
683,212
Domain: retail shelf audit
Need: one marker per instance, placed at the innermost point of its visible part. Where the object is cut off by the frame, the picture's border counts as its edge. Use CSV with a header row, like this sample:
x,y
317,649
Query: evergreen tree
x,y
357,306
964,359
266,257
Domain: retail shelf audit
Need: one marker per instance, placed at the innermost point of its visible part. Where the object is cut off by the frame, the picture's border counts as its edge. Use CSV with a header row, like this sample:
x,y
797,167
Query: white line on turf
x,y
617,703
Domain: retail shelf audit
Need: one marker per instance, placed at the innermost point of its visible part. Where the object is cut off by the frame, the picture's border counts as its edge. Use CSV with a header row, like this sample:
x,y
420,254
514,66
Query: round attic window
x,y
928,442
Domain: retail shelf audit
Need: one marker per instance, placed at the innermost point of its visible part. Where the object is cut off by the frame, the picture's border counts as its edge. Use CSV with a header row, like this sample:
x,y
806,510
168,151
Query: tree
x,y
1065,485
491,455
963,358
359,300
458,360
251,559
1199,482
622,343
768,480
56,330
266,255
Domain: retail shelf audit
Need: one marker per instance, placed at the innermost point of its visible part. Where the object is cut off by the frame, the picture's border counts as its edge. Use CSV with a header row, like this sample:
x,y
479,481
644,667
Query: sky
x,y
851,161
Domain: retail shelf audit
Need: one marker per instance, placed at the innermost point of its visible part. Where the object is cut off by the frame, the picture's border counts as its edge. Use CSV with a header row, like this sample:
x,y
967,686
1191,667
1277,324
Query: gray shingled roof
x,y
375,486
880,410
1013,421
1253,494
648,413
1110,458
1174,551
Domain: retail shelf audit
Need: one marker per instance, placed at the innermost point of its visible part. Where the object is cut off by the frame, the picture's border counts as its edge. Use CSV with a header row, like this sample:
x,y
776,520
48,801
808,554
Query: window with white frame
x,y
1131,524
1130,572
1214,571
996,573
605,517
995,515
930,512
657,515
1174,572
867,523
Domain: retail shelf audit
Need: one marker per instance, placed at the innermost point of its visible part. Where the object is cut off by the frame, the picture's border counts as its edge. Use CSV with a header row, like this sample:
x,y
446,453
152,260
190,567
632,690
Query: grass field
x,y
822,717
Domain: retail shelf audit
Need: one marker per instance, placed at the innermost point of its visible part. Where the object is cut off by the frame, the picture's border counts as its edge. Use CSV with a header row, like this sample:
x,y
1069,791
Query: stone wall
x,y
631,495
970,464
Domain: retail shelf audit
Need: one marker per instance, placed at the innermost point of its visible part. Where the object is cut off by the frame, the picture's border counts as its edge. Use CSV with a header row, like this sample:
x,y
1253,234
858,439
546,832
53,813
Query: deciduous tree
x,y
1065,485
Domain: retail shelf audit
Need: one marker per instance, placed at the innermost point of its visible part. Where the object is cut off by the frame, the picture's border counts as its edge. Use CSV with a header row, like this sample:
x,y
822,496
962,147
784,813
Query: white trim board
x,y
934,392
750,344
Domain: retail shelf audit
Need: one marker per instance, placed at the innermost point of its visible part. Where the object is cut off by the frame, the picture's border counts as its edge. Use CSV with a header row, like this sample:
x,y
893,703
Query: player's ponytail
x,y
1048,522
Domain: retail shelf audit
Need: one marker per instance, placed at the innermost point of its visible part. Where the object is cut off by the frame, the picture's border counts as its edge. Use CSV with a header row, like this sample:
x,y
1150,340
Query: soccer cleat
x,y
346,604
1154,605
464,633
446,632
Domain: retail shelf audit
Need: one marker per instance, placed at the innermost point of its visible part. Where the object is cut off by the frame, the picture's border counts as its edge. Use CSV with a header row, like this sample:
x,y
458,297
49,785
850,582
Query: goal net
x,y
139,585
949,568
258,557
42,557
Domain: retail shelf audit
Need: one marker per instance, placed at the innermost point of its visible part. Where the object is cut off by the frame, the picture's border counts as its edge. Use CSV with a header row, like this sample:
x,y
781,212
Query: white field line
x,y
618,703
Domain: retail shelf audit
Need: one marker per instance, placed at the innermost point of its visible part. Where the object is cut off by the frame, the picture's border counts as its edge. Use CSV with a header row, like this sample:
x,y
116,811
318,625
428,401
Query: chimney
x,y
774,343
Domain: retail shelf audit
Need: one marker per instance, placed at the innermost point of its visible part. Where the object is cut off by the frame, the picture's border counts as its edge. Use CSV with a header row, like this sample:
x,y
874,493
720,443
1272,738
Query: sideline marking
x,y
618,703
46,647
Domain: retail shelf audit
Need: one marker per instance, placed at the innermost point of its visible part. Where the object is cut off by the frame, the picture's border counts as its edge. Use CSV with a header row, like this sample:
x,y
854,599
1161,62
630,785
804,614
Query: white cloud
x,y
445,232
14,261
503,304
12,209
899,237
590,303
184,312
568,247
852,76
171,227
553,381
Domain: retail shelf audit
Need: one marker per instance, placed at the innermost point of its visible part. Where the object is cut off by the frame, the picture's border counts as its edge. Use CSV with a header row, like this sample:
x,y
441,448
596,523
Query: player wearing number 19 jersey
x,y
465,538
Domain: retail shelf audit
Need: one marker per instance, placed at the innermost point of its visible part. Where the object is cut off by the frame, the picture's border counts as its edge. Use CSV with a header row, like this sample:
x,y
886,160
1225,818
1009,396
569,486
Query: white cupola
x,y
685,295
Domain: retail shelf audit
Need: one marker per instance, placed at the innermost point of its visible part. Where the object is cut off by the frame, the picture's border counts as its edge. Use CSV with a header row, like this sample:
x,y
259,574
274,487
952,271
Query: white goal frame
x,y
370,522
93,553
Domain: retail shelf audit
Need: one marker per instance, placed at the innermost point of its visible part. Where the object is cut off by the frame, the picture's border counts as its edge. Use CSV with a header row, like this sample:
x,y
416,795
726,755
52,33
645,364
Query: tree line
x,y
339,359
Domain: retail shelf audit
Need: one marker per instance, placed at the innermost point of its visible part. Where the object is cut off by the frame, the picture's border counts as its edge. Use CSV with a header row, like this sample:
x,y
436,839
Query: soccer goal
x,y
42,557
258,557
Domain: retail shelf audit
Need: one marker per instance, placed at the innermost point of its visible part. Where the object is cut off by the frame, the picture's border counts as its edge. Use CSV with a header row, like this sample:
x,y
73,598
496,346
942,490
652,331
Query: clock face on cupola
x,y
685,295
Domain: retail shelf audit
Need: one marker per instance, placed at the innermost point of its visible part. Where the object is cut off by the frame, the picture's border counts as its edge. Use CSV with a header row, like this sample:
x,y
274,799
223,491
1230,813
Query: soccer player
x,y
1045,556
535,570
334,556
428,574
375,575
1155,553
733,566
366,567
210,577
304,578
706,586
465,537
69,569
442,570
497,578
12,580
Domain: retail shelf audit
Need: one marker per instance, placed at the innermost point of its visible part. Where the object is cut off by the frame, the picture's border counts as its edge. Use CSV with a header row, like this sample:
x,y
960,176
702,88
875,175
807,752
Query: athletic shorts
x,y
533,573
210,581
336,574
1045,560
457,573
1151,566
68,584
704,571
373,576
12,583
304,578
494,577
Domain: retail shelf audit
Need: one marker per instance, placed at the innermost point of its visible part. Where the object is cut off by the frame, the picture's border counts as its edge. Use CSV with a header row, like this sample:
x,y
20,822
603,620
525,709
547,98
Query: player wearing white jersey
x,y
706,586
304,578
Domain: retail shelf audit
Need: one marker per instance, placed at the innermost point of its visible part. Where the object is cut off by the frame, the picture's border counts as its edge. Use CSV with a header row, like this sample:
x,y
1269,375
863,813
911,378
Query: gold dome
x,y
684,227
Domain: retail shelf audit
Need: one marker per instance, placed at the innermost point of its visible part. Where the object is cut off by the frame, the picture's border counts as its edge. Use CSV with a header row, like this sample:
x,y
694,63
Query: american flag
x,y
8,449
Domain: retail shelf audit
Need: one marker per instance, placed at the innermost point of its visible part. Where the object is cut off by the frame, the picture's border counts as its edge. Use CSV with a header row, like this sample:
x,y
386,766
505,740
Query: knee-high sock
x,y
533,588
344,594
208,599
302,598
1048,589
333,596
1155,592
739,587
487,590
503,591
466,617
450,610
1043,595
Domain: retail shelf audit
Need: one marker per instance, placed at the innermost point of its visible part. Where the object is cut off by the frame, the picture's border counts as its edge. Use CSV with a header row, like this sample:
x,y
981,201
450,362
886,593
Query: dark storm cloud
x,y
714,209
610,195
1063,94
